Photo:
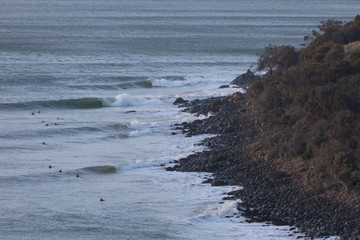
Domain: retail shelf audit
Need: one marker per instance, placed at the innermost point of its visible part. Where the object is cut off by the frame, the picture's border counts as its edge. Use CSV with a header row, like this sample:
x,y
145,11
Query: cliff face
x,y
312,108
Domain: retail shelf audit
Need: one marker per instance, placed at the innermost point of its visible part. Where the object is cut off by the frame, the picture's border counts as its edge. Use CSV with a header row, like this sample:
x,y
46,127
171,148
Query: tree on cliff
x,y
274,57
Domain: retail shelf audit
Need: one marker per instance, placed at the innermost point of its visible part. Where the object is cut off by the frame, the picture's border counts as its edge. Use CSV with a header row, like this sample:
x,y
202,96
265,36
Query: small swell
x,y
125,85
105,169
117,126
80,103
144,84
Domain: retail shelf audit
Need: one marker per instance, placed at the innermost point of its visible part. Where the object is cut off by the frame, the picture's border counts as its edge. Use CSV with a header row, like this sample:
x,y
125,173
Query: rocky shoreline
x,y
236,157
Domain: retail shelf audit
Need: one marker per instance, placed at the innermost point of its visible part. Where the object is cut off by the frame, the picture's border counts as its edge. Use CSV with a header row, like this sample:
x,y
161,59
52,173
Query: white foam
x,y
216,80
171,83
228,208
136,124
184,117
143,128
125,99
141,164
139,133
175,148
202,116
212,91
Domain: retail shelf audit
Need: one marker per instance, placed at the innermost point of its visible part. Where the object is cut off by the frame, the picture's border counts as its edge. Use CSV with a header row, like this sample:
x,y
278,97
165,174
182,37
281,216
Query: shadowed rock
x,y
180,100
245,79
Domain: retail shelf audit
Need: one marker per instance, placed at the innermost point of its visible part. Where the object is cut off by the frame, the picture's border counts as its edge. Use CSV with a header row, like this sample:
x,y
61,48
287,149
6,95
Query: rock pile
x,y
235,157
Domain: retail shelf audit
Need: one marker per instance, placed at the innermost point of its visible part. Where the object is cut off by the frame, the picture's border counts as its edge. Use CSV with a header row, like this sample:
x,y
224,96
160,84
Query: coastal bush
x,y
274,140
312,95
270,99
317,140
273,57
335,53
288,119
351,30
256,88
306,155
344,160
352,47
347,169
296,144
357,188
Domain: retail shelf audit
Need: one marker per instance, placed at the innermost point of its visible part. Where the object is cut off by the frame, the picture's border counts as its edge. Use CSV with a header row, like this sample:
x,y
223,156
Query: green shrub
x,y
256,88
307,155
281,57
357,188
351,30
289,119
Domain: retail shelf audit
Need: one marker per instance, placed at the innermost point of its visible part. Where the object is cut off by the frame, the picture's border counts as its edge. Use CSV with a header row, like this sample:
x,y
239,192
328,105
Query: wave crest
x,y
170,83
125,100
79,103
105,169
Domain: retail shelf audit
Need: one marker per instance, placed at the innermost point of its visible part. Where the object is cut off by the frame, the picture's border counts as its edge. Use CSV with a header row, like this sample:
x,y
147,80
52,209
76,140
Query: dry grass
x,y
352,47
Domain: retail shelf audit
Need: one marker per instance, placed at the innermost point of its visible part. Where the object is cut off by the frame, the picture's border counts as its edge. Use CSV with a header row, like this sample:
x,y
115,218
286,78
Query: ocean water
x,y
87,87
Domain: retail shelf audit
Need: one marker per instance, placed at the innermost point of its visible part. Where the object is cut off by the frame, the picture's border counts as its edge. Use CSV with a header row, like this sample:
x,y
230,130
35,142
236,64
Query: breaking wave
x,y
121,100
125,100
170,83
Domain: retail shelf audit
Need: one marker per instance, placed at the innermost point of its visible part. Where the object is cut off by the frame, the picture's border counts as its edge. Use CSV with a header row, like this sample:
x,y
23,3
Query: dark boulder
x,y
131,111
224,86
245,79
180,100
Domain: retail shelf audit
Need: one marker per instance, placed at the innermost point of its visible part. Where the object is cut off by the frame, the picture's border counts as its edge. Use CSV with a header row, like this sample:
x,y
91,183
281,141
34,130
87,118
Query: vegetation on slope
x,y
310,99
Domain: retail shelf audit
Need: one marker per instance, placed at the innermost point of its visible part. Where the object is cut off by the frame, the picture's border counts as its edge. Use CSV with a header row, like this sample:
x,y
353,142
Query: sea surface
x,y
87,87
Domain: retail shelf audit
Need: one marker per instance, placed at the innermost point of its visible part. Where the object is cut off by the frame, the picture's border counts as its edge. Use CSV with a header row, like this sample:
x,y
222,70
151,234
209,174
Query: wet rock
x,y
229,198
245,79
207,181
180,100
172,168
217,182
236,97
269,194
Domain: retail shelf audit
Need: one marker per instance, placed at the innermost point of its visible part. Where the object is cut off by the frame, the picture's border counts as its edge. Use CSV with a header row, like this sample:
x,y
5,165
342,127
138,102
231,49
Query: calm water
x,y
70,70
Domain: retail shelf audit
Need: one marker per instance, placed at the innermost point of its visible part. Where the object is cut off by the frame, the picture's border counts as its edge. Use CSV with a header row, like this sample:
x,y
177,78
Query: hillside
x,y
310,99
